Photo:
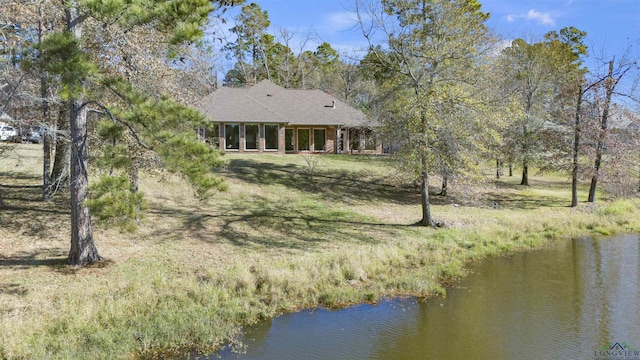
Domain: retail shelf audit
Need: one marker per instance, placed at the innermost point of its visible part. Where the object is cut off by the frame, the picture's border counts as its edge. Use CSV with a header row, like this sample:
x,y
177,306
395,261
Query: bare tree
x,y
616,71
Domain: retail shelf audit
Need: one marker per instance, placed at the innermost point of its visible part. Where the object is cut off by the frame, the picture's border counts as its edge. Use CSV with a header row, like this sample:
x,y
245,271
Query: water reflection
x,y
563,303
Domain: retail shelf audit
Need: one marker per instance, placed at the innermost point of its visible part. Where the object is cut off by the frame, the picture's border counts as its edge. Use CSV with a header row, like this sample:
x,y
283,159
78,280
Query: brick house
x,y
269,118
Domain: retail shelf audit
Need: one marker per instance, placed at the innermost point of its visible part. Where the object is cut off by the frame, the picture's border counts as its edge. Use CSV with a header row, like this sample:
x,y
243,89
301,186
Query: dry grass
x,y
274,242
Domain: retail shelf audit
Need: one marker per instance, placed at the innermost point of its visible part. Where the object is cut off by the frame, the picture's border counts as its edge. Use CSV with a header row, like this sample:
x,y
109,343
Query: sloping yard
x,y
278,240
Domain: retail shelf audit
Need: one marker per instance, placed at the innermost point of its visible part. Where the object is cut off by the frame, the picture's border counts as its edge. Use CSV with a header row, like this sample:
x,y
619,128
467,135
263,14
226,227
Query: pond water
x,y
571,302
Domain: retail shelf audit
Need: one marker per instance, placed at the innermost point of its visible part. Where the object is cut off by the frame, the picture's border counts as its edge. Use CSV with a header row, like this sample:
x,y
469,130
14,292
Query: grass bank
x,y
276,241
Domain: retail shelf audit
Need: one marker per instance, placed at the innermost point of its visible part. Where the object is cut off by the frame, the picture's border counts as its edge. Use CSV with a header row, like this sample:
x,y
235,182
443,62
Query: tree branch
x,y
106,111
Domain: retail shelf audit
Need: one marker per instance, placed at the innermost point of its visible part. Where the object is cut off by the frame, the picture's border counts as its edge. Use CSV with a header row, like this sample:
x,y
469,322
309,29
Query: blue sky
x,y
610,24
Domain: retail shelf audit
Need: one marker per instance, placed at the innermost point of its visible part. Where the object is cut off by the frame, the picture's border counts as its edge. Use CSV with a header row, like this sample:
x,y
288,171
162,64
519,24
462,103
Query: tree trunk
x,y
510,169
427,219
46,142
46,166
133,172
443,191
83,251
46,136
525,174
60,172
603,134
498,169
576,146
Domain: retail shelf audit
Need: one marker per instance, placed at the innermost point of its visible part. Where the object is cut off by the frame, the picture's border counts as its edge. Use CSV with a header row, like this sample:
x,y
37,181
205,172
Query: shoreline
x,y
195,273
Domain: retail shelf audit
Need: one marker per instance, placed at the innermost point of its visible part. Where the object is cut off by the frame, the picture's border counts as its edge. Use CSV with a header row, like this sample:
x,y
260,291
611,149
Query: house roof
x,y
4,118
269,103
622,118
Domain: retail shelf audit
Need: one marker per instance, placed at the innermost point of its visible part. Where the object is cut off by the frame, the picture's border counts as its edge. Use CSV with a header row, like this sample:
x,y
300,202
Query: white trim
x,y
225,137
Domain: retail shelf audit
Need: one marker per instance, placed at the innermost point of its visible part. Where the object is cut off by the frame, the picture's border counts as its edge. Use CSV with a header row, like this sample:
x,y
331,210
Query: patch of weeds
x,y
326,299
369,297
348,274
467,244
619,207
450,274
601,230
438,290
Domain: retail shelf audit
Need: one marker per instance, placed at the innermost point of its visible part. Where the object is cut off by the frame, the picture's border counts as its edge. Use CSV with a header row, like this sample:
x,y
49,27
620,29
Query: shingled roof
x,y
267,102
622,118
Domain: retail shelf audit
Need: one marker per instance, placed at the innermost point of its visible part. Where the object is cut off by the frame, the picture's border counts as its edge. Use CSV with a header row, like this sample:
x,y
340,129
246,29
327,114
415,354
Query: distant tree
x,y
569,48
289,69
250,46
537,75
328,61
616,71
426,68
25,24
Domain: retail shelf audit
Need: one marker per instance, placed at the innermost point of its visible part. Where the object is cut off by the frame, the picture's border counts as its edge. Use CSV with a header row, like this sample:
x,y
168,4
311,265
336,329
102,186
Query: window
x,y
232,136
212,135
304,141
289,140
271,137
341,140
319,139
251,136
354,139
370,140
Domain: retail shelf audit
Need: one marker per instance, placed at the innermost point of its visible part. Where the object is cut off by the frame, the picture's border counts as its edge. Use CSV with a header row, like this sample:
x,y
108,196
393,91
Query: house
x,y
5,119
267,118
623,119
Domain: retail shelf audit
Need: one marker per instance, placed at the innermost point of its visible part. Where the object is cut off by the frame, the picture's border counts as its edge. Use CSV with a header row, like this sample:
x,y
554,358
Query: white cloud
x,y
542,18
341,20
533,14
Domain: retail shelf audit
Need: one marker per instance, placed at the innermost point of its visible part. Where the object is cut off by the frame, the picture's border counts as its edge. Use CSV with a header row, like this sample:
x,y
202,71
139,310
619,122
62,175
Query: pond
x,y
579,300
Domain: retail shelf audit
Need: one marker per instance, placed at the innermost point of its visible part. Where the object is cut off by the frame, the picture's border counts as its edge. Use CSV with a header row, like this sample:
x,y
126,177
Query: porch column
x,y
346,146
221,137
281,139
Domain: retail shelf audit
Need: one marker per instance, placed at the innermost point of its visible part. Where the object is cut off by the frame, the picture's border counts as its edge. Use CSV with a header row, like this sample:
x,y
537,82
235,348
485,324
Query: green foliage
x,y
541,79
183,19
115,156
167,127
62,56
571,37
194,159
620,207
110,130
251,45
428,98
114,203
326,56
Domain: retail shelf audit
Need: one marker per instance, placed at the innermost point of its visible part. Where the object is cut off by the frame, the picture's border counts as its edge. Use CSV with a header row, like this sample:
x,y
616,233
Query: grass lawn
x,y
276,241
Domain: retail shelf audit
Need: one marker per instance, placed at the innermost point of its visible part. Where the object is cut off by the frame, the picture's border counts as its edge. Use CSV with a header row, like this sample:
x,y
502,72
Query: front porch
x,y
285,139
